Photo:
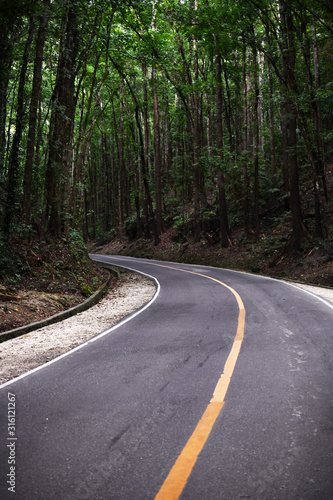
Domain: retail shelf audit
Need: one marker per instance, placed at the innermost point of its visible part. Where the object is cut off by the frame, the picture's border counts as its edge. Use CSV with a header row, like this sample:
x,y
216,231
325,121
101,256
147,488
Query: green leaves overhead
x,y
204,86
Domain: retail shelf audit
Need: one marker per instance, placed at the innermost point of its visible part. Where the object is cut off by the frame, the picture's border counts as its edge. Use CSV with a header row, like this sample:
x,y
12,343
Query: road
x,y
220,389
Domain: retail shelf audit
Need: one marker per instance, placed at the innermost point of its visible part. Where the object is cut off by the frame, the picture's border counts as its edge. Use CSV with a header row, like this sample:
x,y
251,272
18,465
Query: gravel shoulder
x,y
325,293
22,354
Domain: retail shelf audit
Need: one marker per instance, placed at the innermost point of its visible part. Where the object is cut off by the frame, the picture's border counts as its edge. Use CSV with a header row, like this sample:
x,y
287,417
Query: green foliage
x,y
11,266
180,221
11,12
87,291
113,147
207,214
77,245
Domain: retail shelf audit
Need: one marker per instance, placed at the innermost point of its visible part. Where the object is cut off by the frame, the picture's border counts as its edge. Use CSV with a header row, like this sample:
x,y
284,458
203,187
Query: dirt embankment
x,y
50,278
313,265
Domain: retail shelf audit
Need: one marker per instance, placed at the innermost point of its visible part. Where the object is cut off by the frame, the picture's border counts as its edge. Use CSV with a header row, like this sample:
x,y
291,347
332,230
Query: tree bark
x,y
121,166
271,119
13,171
246,201
285,158
196,145
61,136
289,61
5,65
157,161
223,213
256,144
317,112
35,95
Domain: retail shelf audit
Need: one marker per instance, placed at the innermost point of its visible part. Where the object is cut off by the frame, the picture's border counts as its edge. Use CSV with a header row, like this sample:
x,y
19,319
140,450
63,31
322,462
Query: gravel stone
x,y
22,354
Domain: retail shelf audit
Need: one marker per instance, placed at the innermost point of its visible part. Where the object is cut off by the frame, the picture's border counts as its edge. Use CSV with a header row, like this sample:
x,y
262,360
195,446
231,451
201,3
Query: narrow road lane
x,y
111,419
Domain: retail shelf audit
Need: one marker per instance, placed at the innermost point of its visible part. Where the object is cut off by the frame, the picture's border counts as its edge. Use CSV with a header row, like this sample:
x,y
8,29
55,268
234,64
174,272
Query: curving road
x,y
220,389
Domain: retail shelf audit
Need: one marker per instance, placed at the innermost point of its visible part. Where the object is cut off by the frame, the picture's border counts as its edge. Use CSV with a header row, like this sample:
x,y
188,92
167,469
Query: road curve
x,y
243,408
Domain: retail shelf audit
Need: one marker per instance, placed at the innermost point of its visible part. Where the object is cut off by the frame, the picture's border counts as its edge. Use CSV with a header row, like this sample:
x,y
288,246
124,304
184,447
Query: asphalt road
x,y
112,419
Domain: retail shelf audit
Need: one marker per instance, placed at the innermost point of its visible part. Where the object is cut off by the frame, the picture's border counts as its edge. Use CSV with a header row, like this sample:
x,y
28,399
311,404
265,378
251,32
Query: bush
x,y
77,245
87,291
10,264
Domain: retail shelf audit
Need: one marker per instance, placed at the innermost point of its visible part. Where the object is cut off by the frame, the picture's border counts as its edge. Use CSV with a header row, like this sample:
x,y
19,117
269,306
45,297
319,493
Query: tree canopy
x,y
128,117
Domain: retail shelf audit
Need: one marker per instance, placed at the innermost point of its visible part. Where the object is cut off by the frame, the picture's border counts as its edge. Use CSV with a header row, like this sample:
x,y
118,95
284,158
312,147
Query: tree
x,y
223,213
146,112
62,128
19,125
35,96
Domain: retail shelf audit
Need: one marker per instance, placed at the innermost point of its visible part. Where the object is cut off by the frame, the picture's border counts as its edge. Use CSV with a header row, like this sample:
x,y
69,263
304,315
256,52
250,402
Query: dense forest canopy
x,y
128,117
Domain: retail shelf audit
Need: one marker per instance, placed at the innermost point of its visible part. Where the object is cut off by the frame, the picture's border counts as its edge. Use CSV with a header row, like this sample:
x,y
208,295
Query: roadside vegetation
x,y
41,278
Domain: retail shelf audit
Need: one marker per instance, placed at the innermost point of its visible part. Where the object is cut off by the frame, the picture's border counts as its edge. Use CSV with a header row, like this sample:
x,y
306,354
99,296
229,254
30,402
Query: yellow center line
x,y
180,472
176,480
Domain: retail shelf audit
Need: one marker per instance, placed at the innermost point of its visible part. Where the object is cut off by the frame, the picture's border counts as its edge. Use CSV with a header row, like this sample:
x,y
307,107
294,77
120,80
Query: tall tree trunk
x,y
317,111
312,136
62,127
5,65
84,141
158,164
312,145
246,201
106,185
229,112
289,61
145,114
168,145
159,227
146,145
256,144
196,145
137,201
121,166
285,156
271,119
10,208
35,95
223,213
148,204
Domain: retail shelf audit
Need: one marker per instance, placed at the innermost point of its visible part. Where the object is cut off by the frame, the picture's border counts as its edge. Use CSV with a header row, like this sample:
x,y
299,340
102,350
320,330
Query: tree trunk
x,y
246,201
5,65
223,213
285,158
148,204
136,175
13,170
157,160
121,165
146,145
35,95
289,61
317,111
256,144
229,112
61,128
168,145
271,119
196,146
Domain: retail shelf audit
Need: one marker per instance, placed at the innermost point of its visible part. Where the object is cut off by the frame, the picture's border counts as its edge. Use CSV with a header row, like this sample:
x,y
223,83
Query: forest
x,y
213,118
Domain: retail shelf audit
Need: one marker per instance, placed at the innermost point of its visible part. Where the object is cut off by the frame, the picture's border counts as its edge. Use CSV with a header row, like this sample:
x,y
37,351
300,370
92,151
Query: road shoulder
x,y
22,354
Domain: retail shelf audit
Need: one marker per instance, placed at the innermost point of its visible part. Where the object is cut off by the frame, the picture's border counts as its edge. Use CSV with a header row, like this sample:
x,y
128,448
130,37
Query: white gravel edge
x,y
26,354
319,292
